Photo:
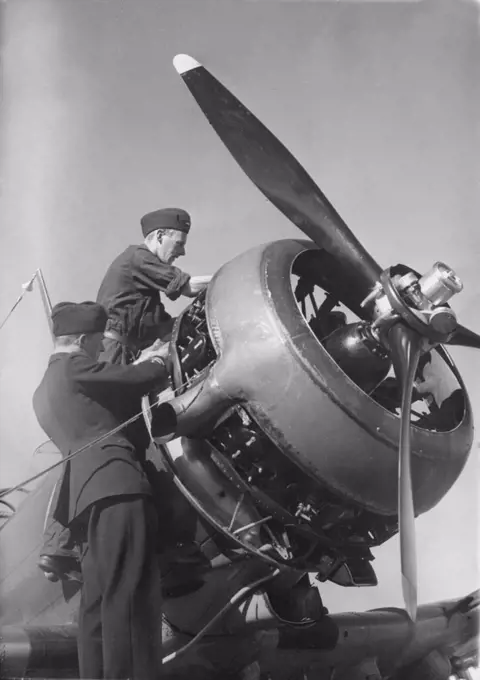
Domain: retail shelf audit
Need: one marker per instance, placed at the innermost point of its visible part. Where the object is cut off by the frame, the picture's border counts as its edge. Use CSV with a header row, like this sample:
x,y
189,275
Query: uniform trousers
x,y
120,623
116,352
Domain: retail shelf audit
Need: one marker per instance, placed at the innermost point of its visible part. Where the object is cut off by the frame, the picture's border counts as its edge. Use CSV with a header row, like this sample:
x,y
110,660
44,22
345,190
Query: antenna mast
x,y
45,298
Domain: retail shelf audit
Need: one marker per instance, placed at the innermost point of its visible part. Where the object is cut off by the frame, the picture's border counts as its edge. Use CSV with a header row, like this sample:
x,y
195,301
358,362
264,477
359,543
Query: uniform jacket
x,y
130,292
76,402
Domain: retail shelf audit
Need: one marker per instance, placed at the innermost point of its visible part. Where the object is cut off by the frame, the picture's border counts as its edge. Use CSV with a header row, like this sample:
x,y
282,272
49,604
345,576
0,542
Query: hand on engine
x,y
158,349
197,284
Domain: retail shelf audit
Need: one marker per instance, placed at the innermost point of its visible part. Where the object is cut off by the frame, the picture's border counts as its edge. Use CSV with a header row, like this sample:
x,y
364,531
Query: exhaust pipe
x,y
196,411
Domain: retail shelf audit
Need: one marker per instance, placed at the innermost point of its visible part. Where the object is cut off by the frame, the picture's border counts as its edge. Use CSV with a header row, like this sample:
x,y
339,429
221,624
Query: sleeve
x,y
93,375
149,273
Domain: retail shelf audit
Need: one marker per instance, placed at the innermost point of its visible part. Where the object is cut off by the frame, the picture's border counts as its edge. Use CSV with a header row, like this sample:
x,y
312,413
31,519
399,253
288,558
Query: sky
x,y
379,101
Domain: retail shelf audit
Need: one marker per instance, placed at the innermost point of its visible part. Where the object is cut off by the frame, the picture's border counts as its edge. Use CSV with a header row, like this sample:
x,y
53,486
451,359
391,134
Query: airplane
x,y
298,435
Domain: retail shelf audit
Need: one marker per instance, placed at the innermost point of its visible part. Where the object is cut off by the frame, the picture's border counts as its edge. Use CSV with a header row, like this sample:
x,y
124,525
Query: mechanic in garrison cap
x,y
104,497
132,287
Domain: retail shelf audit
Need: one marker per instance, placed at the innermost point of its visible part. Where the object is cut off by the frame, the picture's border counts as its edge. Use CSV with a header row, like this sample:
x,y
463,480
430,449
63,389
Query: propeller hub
x,y
419,301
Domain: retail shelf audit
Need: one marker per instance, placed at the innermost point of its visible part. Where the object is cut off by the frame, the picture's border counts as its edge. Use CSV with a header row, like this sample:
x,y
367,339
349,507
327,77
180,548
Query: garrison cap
x,y
166,218
69,318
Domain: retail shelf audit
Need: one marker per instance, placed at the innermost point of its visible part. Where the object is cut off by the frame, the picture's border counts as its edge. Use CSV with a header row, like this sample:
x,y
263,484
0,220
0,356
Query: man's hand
x,y
195,285
158,349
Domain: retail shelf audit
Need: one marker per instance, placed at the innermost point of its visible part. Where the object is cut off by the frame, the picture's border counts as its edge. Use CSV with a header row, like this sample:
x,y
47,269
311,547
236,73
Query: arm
x,y
97,375
151,274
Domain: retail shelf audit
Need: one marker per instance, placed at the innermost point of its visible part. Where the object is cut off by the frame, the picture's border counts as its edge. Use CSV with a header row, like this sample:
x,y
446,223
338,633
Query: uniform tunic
x,y
130,292
79,400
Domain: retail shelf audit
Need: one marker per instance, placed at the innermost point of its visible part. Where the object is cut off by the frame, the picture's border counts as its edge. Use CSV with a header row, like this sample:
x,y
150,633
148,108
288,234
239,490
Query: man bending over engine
x,y
104,497
132,287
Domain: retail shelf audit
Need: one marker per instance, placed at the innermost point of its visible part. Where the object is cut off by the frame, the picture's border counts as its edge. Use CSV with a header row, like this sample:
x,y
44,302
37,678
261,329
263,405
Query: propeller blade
x,y
278,175
405,345
465,338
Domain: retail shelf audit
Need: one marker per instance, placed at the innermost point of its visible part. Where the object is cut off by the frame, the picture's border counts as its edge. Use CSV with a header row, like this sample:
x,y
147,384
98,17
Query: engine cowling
x,y
312,411
286,425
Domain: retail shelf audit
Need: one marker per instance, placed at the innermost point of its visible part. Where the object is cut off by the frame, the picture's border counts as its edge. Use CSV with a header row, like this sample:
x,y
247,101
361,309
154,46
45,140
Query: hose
x,y
238,598
5,492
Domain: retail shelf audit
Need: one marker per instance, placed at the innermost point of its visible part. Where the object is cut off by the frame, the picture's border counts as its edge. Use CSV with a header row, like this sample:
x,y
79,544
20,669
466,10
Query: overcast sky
x,y
378,101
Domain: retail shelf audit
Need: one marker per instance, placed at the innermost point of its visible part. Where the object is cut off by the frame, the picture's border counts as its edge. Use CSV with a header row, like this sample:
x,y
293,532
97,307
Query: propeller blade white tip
x,y
184,63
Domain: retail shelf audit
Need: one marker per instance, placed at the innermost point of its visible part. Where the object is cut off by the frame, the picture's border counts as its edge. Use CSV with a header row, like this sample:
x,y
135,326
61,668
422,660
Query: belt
x,y
122,339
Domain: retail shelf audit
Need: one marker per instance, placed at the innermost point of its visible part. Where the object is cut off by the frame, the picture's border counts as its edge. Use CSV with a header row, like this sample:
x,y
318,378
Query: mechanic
x,y
104,497
135,281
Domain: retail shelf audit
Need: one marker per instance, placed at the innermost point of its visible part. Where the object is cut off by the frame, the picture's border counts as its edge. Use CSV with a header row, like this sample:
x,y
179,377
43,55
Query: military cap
x,y
69,318
166,218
